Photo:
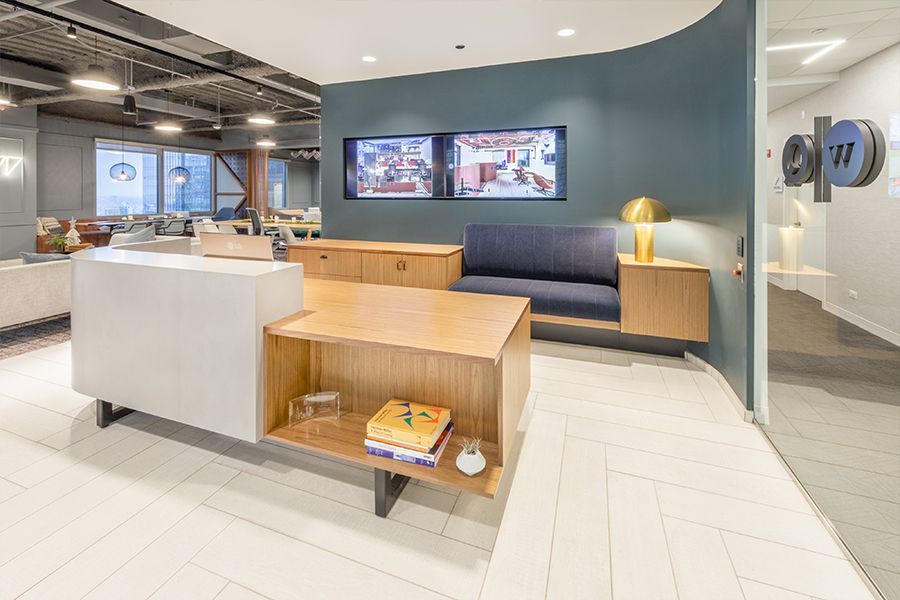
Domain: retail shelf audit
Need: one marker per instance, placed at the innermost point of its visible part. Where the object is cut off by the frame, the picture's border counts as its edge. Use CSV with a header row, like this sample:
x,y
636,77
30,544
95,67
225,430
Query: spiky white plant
x,y
471,445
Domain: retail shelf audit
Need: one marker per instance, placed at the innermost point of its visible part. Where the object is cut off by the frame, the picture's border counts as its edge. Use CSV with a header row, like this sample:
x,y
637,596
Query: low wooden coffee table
x,y
470,353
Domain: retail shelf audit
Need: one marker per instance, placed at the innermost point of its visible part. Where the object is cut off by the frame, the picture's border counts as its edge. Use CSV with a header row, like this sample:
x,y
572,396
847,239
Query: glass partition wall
x,y
834,321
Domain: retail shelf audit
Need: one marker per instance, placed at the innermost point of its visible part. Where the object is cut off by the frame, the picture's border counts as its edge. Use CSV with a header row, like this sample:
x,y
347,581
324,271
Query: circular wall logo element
x,y
853,153
798,159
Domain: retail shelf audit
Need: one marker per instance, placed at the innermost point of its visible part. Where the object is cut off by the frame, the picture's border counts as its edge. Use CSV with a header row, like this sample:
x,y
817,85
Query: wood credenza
x,y
664,298
432,266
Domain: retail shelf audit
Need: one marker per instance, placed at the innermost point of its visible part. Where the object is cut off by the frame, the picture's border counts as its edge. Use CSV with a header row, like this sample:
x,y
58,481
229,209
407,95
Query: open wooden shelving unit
x,y
344,439
470,353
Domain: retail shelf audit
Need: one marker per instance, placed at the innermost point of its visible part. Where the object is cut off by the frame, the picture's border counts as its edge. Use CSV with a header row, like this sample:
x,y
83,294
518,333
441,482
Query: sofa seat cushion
x,y
33,258
559,298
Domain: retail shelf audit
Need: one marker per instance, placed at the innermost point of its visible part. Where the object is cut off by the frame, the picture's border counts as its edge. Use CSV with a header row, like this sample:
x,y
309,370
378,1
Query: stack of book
x,y
414,433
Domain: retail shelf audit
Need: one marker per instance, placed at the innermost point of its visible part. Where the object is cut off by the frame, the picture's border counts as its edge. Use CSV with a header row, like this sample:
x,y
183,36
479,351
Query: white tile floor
x,y
636,479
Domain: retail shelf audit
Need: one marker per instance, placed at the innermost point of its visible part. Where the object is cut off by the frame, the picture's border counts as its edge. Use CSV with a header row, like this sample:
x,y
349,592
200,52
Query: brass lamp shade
x,y
644,212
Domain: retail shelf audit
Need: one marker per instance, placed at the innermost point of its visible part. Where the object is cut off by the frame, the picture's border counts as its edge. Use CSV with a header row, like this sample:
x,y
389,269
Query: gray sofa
x,y
567,271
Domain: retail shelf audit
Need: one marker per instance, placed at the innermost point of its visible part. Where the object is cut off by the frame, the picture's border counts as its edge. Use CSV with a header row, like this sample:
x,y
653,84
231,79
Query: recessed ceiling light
x,y
167,126
95,79
369,59
261,119
265,142
567,32
823,52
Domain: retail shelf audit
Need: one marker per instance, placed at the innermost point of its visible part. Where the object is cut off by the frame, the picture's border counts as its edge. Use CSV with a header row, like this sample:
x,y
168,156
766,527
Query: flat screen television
x,y
521,164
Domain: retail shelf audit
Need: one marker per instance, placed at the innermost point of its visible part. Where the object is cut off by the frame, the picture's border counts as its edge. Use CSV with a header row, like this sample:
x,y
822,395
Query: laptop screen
x,y
229,245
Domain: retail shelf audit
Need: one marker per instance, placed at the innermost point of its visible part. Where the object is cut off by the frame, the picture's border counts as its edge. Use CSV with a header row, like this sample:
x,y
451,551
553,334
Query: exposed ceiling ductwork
x,y
170,72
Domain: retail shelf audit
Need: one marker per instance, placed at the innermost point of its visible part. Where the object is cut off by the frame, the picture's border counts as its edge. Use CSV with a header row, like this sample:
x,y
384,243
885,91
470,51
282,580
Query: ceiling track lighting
x,y
259,90
71,32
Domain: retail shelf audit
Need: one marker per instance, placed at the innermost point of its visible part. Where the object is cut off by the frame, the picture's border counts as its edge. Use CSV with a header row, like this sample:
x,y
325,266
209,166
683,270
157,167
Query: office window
x,y
277,184
138,196
154,189
189,188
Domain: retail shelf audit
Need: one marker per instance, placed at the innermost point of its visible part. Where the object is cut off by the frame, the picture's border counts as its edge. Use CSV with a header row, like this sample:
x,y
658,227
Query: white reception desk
x,y
178,336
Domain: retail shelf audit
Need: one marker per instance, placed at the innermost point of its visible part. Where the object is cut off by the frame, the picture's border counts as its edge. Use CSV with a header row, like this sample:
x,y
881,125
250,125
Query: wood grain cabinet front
x,y
665,298
430,266
327,264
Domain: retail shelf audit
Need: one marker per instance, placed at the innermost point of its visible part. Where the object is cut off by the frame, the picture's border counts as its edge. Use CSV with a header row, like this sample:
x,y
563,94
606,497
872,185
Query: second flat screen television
x,y
523,164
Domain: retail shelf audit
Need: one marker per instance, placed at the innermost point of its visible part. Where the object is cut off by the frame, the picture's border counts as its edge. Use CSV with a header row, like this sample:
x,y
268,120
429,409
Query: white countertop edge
x,y
185,262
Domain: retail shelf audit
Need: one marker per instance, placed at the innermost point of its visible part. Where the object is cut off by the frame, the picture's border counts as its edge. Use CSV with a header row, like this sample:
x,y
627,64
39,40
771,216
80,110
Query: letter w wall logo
x,y
841,153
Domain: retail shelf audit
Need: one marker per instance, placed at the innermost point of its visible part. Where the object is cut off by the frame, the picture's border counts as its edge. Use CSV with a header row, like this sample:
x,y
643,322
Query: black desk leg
x,y
387,490
106,414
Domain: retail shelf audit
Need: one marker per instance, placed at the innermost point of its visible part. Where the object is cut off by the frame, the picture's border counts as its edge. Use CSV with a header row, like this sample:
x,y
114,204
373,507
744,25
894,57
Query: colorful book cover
x,y
418,458
409,423
429,455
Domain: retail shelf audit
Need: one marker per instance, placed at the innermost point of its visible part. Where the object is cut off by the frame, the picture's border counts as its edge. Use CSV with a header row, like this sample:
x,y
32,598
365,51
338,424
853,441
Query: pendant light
x,y
168,125
179,175
261,118
129,104
265,142
95,78
217,124
4,93
122,171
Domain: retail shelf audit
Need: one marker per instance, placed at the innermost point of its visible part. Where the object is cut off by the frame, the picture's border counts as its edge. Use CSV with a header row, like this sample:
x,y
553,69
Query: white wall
x,y
860,238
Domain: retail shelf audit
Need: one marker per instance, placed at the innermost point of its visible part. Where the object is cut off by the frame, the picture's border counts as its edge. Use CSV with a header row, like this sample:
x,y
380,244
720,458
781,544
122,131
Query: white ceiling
x,y
325,40
869,26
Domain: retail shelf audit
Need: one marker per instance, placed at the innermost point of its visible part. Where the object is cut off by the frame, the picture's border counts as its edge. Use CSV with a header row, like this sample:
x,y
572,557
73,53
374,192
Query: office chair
x,y
255,222
171,227
226,213
285,237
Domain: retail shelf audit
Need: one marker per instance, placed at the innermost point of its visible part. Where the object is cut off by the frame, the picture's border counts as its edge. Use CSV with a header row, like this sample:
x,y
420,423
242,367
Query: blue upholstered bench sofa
x,y
568,272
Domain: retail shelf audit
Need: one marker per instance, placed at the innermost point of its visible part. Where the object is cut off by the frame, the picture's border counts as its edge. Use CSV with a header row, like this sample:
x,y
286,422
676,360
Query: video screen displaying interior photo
x,y
393,167
527,164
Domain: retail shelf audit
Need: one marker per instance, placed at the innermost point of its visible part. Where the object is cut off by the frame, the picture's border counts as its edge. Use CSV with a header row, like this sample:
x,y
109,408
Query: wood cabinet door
x,y
424,272
382,269
326,262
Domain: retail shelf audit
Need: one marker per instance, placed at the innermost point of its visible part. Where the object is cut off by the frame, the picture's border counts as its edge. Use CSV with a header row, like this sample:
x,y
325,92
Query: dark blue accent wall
x,y
671,119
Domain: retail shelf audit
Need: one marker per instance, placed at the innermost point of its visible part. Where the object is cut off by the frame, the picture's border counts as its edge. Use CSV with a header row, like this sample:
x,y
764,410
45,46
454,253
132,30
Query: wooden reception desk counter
x,y
467,352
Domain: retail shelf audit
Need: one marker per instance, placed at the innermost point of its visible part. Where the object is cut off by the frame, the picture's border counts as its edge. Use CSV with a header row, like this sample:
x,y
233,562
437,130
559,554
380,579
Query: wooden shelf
x,y
343,439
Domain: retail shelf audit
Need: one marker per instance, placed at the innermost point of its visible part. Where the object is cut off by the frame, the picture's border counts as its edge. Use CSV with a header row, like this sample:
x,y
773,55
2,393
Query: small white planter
x,y
471,464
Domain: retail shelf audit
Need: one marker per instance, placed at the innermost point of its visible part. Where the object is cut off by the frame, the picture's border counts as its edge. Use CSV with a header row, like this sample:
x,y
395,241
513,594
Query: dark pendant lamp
x,y
122,171
129,105
180,176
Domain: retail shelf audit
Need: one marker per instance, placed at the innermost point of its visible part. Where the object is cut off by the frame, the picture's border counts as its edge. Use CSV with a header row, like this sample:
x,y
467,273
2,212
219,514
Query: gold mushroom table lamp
x,y
644,212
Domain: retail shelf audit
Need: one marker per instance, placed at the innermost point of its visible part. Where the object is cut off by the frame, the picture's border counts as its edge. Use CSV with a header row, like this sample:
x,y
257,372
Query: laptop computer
x,y
229,245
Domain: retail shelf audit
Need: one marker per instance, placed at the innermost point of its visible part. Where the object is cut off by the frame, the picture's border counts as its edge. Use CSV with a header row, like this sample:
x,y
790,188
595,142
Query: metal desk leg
x,y
387,490
106,414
